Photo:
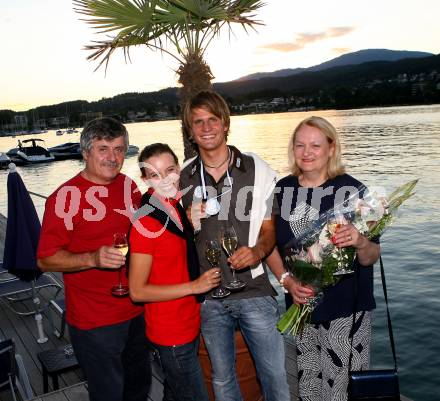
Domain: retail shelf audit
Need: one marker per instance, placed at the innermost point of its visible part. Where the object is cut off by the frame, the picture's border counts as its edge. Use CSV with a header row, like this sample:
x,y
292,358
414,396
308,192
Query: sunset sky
x,y
42,61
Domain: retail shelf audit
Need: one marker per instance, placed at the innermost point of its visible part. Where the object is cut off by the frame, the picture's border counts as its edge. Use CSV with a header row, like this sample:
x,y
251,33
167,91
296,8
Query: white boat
x,y
30,151
4,160
132,150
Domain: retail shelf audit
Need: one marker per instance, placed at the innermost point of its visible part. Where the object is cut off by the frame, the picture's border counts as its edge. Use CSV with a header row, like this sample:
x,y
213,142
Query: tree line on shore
x,y
373,84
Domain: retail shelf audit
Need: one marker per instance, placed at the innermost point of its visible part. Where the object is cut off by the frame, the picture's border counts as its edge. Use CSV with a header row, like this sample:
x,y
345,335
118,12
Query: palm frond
x,y
110,14
104,49
189,25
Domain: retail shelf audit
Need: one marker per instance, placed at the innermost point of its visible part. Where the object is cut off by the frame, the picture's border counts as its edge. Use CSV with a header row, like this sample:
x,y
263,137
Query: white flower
x,y
314,253
302,255
324,239
373,210
360,225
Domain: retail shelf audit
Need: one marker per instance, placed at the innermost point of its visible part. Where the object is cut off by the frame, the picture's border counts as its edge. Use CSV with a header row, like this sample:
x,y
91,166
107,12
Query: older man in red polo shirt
x,y
80,220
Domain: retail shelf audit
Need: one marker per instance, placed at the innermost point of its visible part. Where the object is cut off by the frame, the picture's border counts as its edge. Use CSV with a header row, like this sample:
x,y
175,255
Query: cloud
x,y
303,39
341,50
339,31
282,47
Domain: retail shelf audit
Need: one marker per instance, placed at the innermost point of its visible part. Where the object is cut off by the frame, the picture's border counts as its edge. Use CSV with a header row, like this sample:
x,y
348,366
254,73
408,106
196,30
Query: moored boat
x,y
72,150
132,150
4,160
68,150
30,151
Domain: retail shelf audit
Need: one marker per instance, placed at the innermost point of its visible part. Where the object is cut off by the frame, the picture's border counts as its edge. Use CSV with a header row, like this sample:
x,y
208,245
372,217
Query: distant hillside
x,y
274,74
354,58
331,77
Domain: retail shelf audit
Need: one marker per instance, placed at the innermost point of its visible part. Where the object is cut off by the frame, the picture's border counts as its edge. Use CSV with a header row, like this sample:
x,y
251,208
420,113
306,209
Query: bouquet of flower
x,y
315,261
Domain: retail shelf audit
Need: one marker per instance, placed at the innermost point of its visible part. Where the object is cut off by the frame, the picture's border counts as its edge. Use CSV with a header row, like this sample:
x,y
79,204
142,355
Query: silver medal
x,y
198,192
212,207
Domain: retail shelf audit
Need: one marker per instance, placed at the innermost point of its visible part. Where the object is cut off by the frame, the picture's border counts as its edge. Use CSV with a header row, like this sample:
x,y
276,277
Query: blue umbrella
x,y
22,231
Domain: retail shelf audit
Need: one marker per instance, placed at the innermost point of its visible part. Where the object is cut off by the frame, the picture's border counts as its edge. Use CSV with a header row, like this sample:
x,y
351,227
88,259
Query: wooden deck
x,y
77,392
23,329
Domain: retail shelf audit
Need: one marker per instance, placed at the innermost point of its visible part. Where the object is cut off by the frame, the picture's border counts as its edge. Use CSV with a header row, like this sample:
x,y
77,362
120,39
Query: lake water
x,y
381,146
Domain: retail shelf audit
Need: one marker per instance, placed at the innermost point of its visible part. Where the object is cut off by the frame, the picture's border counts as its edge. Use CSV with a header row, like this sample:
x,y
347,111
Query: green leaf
x,y
287,319
305,272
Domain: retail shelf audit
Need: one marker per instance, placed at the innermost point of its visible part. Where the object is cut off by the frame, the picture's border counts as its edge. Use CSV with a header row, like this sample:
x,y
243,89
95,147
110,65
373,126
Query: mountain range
x,y
354,58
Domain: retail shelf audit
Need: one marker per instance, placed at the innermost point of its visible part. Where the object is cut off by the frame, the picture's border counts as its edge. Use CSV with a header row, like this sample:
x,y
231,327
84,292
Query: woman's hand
x,y
206,281
367,252
299,292
348,235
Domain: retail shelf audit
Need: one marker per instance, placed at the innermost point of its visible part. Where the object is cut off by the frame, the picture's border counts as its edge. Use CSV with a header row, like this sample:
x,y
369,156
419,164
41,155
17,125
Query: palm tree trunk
x,y
194,76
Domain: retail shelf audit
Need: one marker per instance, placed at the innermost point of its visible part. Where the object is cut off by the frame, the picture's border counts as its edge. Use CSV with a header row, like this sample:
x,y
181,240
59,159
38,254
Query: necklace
x,y
221,164
212,204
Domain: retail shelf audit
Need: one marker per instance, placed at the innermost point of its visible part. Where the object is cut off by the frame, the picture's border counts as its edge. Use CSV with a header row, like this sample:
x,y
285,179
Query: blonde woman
x,y
316,184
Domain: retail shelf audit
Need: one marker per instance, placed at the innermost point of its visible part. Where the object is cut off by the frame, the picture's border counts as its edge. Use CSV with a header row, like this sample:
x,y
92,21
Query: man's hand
x,y
195,213
245,256
108,257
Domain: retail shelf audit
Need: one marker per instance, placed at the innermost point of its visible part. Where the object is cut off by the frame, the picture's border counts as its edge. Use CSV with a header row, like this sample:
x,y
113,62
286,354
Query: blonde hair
x,y
334,165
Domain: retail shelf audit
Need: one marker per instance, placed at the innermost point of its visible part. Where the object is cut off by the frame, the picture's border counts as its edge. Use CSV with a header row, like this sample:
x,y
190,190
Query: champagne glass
x,y
213,253
333,224
120,242
229,243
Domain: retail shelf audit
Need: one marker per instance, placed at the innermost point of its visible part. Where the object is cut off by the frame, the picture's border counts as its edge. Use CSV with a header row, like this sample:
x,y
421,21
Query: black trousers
x,y
115,360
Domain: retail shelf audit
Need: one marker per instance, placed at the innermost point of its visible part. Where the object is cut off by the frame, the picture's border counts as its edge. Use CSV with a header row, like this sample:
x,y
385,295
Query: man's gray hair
x,y
102,128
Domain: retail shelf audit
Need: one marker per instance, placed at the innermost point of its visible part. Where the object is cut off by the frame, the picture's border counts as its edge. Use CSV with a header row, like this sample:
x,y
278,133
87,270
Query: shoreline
x,y
233,114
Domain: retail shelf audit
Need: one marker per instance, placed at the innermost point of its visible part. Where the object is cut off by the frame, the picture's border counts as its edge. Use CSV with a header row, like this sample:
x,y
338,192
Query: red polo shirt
x,y
173,322
81,216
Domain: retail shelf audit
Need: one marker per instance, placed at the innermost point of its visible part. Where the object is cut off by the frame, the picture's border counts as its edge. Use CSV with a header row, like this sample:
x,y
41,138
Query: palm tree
x,y
181,28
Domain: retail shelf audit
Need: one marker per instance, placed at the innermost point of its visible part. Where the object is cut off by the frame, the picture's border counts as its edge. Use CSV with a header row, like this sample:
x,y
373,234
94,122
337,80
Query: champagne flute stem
x,y
120,275
221,280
